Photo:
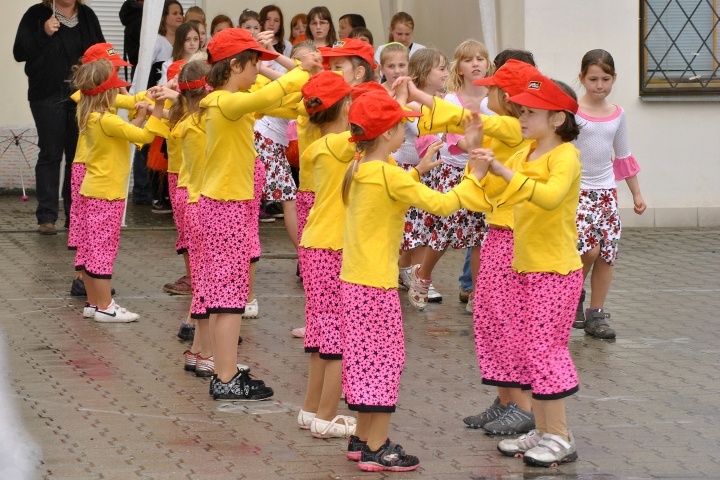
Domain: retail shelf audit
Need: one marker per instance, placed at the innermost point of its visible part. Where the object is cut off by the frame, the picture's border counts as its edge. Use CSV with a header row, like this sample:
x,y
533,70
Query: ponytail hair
x,y
361,146
188,102
87,77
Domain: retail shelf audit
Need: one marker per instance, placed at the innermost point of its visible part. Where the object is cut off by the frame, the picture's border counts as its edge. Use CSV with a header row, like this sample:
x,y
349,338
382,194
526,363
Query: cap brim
x,y
120,63
485,82
527,99
120,83
266,54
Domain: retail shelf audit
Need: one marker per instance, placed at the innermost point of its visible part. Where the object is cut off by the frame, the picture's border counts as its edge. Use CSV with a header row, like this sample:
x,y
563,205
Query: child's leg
x,y
227,330
186,257
331,390
291,220
430,259
405,260
417,255
522,398
378,432
202,340
362,430
316,377
251,294
195,347
556,422
602,273
474,263
92,296
504,396
588,259
102,291
538,407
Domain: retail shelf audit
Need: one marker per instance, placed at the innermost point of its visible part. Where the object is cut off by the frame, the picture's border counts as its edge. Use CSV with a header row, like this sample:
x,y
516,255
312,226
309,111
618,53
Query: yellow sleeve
x,y
564,169
404,187
76,96
242,103
114,126
471,194
290,107
446,117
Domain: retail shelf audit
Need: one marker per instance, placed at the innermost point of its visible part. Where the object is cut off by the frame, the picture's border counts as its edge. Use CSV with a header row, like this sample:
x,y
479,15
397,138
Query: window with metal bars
x,y
679,47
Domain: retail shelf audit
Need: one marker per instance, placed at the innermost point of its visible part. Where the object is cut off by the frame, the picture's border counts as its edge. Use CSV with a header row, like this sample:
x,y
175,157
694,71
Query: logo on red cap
x,y
534,85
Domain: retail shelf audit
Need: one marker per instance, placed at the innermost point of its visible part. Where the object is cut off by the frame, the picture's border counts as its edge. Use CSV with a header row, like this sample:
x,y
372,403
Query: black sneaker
x,y
580,312
515,421
161,206
355,448
493,412
240,388
77,289
390,458
186,332
275,210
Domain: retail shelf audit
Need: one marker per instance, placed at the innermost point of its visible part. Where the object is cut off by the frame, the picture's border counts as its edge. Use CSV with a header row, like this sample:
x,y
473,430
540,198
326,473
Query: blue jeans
x,y
466,277
57,135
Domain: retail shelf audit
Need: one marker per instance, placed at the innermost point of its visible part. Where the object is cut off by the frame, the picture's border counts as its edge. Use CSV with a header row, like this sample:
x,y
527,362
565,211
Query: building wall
x,y
676,143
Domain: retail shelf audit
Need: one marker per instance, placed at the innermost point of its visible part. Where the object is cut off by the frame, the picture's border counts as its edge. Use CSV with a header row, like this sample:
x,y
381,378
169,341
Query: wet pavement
x,y
112,401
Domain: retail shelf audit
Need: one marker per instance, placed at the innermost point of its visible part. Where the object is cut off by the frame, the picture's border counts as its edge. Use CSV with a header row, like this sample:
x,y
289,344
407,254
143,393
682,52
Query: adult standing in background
x,y
131,18
50,43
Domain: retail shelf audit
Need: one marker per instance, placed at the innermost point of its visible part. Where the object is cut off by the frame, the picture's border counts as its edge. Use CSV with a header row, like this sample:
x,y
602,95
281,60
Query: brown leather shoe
x,y
47,229
183,286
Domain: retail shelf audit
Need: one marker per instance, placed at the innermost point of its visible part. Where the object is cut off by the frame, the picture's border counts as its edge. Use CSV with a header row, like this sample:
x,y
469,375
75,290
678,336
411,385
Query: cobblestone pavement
x,y
113,401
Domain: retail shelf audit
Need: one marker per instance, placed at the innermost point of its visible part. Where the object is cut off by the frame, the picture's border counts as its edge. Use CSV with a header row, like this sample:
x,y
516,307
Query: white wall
x,y
13,82
677,144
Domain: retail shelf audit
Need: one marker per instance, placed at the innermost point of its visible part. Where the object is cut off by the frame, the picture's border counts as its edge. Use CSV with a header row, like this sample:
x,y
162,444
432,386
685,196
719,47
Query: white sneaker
x,y
470,305
305,419
252,309
404,280
333,428
114,313
89,310
433,295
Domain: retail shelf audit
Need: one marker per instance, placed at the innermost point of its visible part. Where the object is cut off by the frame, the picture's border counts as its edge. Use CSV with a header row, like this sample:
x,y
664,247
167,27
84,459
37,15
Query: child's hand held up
x,y
431,158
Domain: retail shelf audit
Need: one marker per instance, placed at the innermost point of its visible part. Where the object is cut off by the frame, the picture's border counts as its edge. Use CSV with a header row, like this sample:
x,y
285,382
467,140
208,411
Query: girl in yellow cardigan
x,y
228,189
103,189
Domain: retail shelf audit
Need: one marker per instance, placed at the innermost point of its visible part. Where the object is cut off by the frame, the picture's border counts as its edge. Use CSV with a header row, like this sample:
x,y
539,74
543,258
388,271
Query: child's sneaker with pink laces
x,y
418,289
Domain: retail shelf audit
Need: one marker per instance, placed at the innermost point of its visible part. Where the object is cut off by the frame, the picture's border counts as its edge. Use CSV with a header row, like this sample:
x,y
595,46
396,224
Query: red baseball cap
x,y
106,51
351,47
366,87
512,77
231,41
328,87
113,81
174,68
376,112
543,93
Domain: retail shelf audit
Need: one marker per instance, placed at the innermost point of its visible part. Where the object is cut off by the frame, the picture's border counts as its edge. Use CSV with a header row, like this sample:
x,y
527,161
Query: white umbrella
x,y
152,14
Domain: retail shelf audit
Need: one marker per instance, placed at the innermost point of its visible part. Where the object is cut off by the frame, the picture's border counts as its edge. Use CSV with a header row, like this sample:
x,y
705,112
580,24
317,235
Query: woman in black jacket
x,y
50,43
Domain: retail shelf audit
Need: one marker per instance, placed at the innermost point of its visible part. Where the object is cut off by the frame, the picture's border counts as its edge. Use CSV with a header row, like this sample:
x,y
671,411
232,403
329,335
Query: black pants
x,y
57,135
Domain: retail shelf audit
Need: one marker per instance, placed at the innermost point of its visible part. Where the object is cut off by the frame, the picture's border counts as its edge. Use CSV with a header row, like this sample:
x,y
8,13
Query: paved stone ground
x,y
112,401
